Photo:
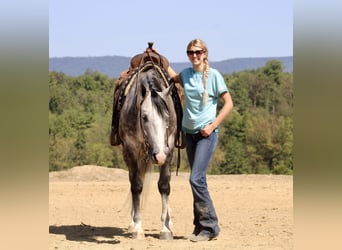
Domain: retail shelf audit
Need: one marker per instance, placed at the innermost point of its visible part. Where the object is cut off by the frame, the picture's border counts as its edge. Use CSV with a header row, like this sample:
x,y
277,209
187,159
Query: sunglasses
x,y
193,52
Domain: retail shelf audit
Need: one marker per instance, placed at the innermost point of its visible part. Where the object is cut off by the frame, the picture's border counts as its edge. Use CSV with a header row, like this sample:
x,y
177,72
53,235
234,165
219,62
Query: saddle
x,y
150,56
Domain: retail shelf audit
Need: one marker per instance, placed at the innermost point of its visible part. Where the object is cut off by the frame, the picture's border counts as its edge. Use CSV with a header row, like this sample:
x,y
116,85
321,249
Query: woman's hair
x,y
199,43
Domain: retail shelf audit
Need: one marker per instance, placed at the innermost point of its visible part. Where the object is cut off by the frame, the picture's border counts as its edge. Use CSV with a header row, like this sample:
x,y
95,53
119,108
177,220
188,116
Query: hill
x,y
113,65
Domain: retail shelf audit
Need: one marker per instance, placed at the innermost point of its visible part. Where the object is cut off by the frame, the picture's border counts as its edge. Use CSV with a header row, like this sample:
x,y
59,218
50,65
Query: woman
x,y
203,86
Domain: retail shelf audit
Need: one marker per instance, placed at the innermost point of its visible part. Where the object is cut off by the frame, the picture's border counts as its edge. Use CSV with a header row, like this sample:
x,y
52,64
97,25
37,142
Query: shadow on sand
x,y
89,233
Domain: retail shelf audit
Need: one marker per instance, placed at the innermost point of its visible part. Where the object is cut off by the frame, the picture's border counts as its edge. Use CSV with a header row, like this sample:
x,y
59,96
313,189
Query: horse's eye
x,y
145,118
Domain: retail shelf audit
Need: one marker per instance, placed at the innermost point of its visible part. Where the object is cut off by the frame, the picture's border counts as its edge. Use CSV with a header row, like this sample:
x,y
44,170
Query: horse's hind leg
x,y
164,189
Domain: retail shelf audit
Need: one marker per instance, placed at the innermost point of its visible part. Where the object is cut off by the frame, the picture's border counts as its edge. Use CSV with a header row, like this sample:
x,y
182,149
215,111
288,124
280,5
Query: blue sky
x,y
231,29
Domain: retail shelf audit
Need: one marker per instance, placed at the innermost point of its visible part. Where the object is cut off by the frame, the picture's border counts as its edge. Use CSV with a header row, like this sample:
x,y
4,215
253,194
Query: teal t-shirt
x,y
196,115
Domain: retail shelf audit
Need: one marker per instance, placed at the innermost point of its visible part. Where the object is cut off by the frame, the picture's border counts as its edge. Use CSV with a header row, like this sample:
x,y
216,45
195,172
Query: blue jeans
x,y
199,150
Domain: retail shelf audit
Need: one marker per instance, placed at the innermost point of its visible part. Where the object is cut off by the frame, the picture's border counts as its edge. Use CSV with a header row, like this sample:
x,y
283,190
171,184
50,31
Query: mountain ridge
x,y
114,65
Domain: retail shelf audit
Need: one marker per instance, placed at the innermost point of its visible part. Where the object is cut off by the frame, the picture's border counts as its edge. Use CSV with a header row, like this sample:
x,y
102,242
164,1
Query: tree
x,y
232,141
236,160
273,69
238,88
270,140
77,104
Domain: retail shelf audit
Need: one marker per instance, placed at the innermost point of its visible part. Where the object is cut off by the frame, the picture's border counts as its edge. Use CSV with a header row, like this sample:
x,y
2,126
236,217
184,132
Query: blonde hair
x,y
199,43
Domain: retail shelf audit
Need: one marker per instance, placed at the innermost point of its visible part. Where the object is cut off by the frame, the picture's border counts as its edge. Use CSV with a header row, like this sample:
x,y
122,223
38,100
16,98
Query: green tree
x,y
77,104
270,141
232,143
274,70
236,161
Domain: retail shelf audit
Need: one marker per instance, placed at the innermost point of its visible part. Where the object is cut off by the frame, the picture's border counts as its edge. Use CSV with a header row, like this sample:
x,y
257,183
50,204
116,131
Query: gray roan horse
x,y
147,129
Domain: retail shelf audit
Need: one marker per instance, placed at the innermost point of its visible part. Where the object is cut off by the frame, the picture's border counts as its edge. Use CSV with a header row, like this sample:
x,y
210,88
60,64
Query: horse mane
x,y
160,104
156,85
144,68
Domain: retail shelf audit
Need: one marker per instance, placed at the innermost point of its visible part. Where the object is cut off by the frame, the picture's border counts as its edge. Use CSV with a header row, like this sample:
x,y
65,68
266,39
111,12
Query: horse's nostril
x,y
154,157
155,150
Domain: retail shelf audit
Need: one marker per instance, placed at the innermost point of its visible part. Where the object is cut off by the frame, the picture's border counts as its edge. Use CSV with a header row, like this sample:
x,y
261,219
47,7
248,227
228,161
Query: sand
x,y
89,209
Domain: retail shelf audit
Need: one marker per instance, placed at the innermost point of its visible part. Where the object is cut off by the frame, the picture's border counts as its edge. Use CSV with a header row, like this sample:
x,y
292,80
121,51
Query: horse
x,y
148,131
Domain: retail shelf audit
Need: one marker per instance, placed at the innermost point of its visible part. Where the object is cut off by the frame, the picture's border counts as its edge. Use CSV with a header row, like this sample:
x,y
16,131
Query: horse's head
x,y
157,116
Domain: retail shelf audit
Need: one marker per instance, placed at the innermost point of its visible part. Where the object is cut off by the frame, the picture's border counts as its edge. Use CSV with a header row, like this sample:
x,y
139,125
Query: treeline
x,y
257,137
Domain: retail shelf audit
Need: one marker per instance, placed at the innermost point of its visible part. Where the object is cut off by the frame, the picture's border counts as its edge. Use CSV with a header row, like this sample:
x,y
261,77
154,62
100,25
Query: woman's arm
x,y
173,75
224,112
171,72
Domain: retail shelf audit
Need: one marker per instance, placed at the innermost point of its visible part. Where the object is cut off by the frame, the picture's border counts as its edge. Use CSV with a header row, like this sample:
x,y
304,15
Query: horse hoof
x,y
165,236
138,235
130,228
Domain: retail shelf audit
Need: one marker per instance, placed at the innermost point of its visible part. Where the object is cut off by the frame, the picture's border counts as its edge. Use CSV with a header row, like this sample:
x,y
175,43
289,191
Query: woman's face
x,y
196,55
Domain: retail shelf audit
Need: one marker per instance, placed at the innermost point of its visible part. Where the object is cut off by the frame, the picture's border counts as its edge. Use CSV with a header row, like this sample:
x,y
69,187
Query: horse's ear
x,y
143,90
145,87
168,90
141,94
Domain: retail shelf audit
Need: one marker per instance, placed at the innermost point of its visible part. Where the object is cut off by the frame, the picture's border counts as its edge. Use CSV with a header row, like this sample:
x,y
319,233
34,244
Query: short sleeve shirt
x,y
196,115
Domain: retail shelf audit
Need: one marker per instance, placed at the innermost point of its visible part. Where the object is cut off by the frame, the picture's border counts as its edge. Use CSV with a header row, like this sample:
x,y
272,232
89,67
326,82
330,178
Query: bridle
x,y
161,71
142,68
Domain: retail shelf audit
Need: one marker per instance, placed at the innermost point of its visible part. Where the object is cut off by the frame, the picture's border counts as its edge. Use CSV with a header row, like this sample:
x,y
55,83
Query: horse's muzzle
x,y
159,158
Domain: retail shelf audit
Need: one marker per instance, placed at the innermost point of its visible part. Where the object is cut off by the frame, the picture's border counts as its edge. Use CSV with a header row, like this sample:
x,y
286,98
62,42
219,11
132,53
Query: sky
x,y
230,28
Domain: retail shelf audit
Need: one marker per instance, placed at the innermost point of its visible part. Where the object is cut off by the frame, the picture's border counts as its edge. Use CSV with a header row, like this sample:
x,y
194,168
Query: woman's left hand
x,y
207,130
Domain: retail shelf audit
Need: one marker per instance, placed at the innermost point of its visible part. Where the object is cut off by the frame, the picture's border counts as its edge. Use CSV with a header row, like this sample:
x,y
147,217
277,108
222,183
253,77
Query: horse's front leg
x,y
164,190
136,225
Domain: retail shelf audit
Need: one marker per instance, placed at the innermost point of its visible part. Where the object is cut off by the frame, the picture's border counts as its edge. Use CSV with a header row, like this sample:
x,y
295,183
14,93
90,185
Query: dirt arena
x,y
89,209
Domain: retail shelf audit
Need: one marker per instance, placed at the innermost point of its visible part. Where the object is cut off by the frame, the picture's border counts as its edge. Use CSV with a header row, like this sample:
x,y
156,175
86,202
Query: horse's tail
x,y
147,181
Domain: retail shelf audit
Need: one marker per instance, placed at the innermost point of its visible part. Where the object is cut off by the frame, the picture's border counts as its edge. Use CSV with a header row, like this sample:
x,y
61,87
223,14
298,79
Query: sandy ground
x,y
89,209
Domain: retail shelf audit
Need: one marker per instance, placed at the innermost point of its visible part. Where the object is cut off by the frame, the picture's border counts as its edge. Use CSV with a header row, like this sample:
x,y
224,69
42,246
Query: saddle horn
x,y
150,45
150,48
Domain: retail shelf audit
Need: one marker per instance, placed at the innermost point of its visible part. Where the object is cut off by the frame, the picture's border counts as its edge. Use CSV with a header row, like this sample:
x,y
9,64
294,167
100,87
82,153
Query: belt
x,y
193,132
